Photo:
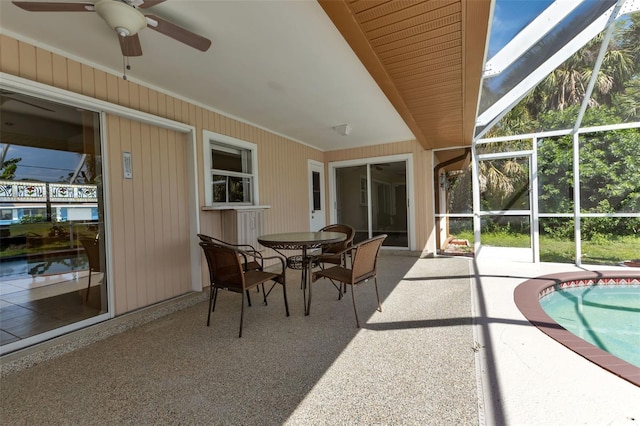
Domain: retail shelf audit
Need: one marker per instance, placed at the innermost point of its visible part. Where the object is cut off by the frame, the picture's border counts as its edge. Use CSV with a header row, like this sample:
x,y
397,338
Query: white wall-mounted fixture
x,y
343,129
121,17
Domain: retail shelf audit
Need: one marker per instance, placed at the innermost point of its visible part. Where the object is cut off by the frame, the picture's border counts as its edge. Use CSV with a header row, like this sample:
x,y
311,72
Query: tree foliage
x,y
8,169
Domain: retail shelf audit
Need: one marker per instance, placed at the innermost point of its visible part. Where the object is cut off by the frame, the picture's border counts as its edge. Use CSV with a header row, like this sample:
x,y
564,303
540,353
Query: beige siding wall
x,y
142,272
422,177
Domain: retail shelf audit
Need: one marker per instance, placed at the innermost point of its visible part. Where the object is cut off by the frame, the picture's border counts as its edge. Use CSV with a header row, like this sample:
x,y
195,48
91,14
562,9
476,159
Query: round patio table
x,y
301,241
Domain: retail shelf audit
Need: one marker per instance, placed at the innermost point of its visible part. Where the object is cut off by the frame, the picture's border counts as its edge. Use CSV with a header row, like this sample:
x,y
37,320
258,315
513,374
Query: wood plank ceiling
x,y
427,57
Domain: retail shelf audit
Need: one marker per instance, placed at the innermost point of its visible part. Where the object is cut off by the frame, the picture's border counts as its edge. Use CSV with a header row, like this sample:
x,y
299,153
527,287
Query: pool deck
x,y
528,378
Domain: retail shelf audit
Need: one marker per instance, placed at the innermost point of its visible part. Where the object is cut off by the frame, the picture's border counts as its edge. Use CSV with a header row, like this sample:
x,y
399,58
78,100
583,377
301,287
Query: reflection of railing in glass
x,y
12,191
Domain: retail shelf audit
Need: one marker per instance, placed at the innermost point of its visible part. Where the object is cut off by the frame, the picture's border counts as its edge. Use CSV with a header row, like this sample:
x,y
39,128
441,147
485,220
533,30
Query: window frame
x,y
211,139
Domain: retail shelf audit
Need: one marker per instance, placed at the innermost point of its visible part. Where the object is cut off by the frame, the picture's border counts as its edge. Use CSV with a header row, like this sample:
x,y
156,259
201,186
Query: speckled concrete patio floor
x,y
411,364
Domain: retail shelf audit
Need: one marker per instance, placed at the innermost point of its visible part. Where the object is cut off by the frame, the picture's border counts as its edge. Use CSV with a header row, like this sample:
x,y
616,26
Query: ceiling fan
x,y
125,18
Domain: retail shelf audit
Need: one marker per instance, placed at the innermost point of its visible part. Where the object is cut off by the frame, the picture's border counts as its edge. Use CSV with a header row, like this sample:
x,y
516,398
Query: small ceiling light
x,y
343,129
124,19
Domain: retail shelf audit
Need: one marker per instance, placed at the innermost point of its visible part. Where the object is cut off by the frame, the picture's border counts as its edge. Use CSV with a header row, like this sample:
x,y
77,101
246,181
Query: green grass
x,y
563,251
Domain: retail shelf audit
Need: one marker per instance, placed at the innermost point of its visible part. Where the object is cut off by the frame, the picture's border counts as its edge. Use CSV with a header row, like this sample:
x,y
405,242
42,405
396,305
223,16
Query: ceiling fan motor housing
x,y
121,17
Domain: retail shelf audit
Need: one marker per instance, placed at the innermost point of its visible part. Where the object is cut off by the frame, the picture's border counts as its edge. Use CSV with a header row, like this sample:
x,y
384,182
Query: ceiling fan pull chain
x,y
125,66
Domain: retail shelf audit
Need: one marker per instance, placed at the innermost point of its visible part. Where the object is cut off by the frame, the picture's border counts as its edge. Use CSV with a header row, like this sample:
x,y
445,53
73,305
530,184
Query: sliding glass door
x,y
52,245
372,197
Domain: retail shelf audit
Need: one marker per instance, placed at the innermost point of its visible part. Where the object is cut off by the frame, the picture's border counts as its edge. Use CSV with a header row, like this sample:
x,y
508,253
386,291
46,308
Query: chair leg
x,y
86,298
248,298
215,299
242,313
353,298
375,282
212,303
264,295
284,292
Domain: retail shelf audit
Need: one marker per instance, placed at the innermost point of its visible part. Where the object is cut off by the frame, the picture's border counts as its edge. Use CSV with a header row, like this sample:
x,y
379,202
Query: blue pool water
x,y
605,316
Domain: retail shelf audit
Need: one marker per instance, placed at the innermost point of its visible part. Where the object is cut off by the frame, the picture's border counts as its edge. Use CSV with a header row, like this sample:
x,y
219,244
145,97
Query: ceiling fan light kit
x,y
124,19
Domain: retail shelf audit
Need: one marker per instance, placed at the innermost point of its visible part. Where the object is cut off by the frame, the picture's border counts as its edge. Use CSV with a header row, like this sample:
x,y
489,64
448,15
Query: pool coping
x,y
527,295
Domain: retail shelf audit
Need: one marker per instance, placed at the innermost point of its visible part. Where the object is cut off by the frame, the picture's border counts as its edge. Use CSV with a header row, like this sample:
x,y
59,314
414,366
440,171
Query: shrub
x,y
31,219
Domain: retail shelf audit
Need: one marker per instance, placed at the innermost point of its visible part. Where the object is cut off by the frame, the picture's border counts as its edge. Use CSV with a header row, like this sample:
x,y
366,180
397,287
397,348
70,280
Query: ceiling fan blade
x,y
150,3
178,33
54,7
130,45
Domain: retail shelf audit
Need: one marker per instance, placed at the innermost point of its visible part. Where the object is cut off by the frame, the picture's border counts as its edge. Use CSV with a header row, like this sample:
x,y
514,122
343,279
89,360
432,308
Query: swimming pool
x,y
580,324
605,315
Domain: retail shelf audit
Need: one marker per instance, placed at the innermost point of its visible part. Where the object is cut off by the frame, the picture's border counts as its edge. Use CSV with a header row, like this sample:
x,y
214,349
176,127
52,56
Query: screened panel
x,y
506,146
609,240
518,15
498,86
504,184
457,238
555,175
459,191
609,171
616,93
506,231
557,242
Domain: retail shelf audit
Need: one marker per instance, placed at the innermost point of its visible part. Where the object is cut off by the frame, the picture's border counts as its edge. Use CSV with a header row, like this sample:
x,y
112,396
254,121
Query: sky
x,y
509,17
42,165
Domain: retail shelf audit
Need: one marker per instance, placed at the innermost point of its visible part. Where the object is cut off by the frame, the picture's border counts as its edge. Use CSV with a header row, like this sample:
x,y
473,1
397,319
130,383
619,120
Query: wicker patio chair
x,y
363,268
337,253
226,272
252,257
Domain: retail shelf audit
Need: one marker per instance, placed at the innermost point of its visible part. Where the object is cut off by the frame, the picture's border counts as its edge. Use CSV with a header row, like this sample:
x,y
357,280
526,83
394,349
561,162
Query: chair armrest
x,y
250,247
282,261
257,256
204,237
338,253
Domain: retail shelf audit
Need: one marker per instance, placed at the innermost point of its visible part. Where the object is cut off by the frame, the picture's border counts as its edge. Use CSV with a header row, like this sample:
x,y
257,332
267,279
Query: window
x,y
315,180
231,172
6,214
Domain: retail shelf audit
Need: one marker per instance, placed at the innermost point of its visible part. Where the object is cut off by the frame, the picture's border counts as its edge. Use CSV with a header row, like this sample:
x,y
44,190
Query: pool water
x,y
605,316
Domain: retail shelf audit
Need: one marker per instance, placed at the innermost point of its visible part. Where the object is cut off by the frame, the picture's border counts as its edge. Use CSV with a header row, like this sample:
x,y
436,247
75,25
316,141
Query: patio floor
x,y
423,360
